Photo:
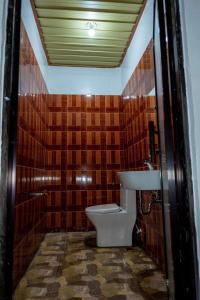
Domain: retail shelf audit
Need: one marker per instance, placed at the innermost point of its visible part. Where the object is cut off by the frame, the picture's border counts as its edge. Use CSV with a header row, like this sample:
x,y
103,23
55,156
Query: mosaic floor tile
x,y
70,267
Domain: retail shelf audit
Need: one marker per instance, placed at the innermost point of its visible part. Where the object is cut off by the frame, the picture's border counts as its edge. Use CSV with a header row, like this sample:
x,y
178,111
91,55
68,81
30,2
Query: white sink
x,y
140,180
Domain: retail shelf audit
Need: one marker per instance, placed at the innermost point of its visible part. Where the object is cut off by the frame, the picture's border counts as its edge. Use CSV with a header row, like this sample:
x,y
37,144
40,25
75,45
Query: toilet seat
x,y
103,209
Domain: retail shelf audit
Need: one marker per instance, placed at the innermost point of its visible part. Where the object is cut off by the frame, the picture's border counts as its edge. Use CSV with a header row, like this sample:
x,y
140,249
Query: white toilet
x,y
114,224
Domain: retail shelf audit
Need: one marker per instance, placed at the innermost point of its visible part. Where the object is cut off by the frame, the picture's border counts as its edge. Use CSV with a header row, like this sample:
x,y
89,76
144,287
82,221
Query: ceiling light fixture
x,y
91,26
126,97
133,97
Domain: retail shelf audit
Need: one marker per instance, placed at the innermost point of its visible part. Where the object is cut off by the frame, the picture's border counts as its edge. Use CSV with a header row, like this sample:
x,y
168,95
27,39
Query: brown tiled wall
x,y
30,211
138,110
85,150
137,114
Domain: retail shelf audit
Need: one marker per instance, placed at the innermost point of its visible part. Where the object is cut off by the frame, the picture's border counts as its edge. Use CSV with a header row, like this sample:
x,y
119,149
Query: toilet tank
x,y
128,200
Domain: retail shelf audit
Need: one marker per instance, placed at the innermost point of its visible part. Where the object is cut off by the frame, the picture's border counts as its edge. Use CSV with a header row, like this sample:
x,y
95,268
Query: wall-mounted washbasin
x,y
140,180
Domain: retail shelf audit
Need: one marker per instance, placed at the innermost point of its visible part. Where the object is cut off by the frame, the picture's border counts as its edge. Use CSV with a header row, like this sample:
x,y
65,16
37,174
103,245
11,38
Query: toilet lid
x,y
103,209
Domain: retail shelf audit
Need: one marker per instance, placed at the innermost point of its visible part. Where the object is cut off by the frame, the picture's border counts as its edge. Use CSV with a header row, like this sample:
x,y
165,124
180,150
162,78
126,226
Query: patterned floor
x,y
69,266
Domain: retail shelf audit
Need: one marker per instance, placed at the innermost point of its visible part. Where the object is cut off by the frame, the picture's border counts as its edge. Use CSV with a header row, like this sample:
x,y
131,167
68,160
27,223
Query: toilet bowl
x,y
114,224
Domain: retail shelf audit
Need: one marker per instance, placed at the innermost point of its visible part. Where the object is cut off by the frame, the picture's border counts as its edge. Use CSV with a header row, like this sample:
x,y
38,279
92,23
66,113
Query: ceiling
x,y
63,26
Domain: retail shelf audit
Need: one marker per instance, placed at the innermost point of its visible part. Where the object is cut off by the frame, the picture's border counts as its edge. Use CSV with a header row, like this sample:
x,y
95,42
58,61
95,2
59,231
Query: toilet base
x,y
120,238
113,229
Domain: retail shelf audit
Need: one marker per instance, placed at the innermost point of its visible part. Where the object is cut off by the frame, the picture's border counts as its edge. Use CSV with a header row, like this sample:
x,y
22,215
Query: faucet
x,y
149,164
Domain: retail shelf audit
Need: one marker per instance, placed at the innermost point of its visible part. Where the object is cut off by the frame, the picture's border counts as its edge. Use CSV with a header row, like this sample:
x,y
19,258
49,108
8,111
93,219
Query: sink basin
x,y
140,180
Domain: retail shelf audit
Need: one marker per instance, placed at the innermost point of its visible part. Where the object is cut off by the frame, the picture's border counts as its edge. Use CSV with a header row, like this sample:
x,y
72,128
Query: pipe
x,y
154,201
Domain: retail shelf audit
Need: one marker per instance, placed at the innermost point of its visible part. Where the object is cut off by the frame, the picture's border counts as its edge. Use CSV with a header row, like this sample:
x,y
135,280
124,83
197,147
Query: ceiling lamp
x,y
91,26
126,97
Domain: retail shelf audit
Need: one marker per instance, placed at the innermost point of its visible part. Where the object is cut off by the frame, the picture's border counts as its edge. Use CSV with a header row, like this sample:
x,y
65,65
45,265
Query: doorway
x,y
171,192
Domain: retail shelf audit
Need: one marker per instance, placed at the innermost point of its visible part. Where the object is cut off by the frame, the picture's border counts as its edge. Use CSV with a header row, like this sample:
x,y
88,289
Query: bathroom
x,y
80,231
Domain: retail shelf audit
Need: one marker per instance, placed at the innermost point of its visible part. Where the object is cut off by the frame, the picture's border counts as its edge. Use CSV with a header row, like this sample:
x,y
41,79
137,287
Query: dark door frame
x,y
183,234
173,54
9,134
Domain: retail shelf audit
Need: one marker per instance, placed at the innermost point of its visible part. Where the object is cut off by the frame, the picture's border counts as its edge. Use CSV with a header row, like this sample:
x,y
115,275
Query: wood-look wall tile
x,y
31,156
83,156
137,112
